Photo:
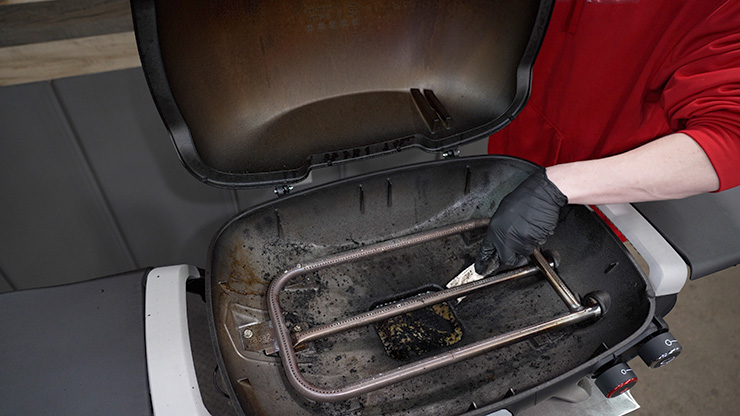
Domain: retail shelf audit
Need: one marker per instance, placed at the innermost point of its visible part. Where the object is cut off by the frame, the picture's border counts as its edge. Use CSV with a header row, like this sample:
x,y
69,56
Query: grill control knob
x,y
660,350
616,380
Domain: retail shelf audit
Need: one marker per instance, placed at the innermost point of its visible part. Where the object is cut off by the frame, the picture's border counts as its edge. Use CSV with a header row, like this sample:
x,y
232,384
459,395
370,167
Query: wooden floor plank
x,y
29,23
8,2
64,58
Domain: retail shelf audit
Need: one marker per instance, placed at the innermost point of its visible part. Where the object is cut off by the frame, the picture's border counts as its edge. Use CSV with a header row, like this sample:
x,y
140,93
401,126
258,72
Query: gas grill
x,y
329,301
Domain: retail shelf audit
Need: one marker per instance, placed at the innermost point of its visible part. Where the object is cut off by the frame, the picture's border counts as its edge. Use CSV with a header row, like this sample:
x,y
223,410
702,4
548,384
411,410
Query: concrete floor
x,y
703,380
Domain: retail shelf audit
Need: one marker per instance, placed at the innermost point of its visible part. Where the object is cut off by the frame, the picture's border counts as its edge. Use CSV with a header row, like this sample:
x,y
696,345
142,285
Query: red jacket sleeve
x,y
702,93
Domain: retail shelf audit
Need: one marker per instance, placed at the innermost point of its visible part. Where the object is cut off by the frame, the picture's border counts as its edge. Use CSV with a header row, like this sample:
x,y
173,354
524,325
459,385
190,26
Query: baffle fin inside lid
x,y
259,92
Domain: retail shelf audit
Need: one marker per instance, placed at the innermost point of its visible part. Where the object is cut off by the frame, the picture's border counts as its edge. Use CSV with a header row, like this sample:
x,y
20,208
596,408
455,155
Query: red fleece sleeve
x,y
702,94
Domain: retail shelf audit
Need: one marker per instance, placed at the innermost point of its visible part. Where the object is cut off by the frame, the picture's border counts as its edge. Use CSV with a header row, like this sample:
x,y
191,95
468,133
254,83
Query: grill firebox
x,y
260,245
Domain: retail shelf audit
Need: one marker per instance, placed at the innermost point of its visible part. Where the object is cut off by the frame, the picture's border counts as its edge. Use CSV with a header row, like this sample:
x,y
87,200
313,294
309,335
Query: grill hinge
x,y
451,153
283,190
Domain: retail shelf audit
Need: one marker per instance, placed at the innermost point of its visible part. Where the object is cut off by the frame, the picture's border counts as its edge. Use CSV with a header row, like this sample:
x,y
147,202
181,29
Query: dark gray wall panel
x,y
55,227
4,283
166,215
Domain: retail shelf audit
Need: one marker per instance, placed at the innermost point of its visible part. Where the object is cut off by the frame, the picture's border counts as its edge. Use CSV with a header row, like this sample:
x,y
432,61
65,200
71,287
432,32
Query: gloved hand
x,y
522,221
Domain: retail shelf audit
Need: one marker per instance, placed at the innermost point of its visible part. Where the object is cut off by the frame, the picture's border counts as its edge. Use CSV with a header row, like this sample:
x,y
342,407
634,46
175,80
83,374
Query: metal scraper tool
x,y
466,276
470,275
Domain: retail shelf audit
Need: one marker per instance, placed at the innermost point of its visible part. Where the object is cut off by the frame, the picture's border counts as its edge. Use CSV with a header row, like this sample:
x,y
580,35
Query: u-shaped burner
x,y
286,343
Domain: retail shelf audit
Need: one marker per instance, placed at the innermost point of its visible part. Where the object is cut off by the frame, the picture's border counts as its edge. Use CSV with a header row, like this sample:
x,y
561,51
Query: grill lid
x,y
258,93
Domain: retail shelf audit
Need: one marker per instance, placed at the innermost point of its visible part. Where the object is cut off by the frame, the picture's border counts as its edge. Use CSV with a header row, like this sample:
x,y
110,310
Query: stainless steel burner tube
x,y
570,299
287,353
438,361
407,305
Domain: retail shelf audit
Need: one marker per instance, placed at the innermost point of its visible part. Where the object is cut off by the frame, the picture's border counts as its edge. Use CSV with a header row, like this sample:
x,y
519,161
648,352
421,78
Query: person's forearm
x,y
670,167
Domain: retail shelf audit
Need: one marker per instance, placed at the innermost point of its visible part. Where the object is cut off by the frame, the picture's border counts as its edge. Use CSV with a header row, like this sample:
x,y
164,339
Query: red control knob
x,y
616,380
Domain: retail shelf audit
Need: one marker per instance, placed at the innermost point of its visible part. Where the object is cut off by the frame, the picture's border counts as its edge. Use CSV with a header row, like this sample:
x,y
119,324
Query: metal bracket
x,y
283,190
449,154
259,336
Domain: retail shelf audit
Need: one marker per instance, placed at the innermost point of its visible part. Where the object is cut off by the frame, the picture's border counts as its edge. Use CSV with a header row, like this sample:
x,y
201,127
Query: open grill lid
x,y
257,93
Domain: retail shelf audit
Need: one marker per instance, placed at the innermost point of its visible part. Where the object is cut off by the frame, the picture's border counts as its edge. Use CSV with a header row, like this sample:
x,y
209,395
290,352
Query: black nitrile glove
x,y
522,221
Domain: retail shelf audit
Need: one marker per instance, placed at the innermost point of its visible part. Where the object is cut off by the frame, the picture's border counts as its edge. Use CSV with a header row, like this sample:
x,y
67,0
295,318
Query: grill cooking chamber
x,y
261,244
